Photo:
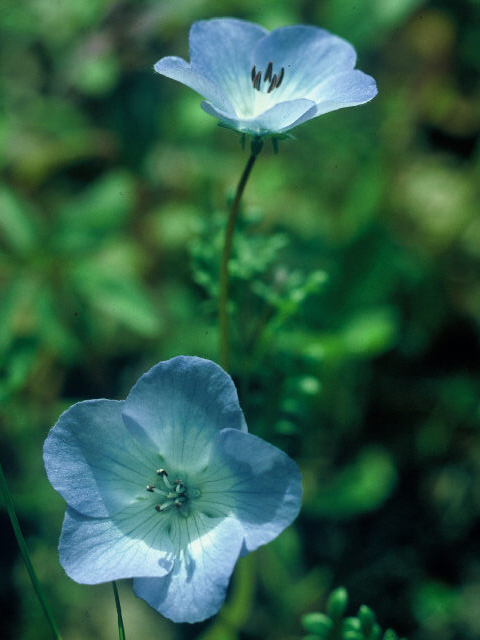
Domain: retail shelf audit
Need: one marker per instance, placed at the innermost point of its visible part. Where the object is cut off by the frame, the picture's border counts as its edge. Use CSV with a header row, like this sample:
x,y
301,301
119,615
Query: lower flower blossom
x,y
168,487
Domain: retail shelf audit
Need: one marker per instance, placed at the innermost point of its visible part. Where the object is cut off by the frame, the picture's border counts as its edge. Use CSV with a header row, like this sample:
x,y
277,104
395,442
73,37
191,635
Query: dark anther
x,y
161,472
158,507
273,83
150,487
268,72
270,79
280,76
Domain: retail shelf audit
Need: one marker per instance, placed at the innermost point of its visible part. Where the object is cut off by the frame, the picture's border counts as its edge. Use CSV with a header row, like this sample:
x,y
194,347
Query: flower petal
x,y
280,118
178,69
344,90
92,460
179,406
133,543
308,54
221,49
260,486
226,52
195,588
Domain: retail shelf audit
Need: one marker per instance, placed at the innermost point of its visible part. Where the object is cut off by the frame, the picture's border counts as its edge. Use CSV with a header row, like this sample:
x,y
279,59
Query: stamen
x,y
280,77
268,72
163,474
270,79
273,83
164,506
174,494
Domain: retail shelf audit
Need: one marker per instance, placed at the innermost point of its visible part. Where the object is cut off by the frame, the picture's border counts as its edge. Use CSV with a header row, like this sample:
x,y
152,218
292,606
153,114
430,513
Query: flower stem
x,y
223,317
25,554
121,628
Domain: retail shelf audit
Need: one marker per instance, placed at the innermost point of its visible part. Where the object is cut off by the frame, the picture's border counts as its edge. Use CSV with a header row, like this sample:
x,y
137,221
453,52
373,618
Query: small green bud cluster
x,y
332,625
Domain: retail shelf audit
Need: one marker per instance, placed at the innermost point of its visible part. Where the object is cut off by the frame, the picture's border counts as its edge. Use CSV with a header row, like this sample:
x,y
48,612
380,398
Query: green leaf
x,y
375,633
17,367
11,297
371,332
119,297
317,623
97,73
337,603
51,326
353,635
17,225
100,209
351,624
367,619
362,486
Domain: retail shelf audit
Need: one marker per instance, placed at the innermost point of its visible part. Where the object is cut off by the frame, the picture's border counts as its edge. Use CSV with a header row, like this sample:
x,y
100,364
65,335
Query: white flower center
x,y
172,494
264,96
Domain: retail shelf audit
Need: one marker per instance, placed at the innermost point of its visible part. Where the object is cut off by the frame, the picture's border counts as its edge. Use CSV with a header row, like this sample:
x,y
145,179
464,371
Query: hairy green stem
x,y
25,554
223,316
121,628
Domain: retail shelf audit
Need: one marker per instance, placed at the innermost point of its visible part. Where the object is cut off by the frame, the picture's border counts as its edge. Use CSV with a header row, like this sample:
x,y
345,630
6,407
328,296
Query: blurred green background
x,y
356,285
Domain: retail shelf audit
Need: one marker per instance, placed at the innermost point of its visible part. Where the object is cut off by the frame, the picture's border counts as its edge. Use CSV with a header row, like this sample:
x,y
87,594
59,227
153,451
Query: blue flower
x,y
264,83
168,487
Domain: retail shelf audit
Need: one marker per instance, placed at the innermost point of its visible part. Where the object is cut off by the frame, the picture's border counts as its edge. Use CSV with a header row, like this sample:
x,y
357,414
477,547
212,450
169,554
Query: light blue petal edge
x,y
178,69
178,400
267,494
95,550
92,461
195,589
278,119
221,50
345,90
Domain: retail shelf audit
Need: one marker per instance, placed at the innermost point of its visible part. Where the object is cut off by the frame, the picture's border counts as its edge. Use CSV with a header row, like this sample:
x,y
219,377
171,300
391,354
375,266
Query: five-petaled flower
x,y
264,83
168,487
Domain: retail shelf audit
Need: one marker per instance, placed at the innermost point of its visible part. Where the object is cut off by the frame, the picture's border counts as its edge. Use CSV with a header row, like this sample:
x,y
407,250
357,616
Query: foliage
x,y
355,297
335,626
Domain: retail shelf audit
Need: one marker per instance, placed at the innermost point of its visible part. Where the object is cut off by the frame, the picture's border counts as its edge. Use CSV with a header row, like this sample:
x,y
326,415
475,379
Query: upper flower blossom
x,y
264,83
168,487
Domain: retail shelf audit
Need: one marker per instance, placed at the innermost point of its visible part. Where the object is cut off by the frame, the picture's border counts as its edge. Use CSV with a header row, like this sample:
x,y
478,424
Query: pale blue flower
x,y
168,487
264,83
